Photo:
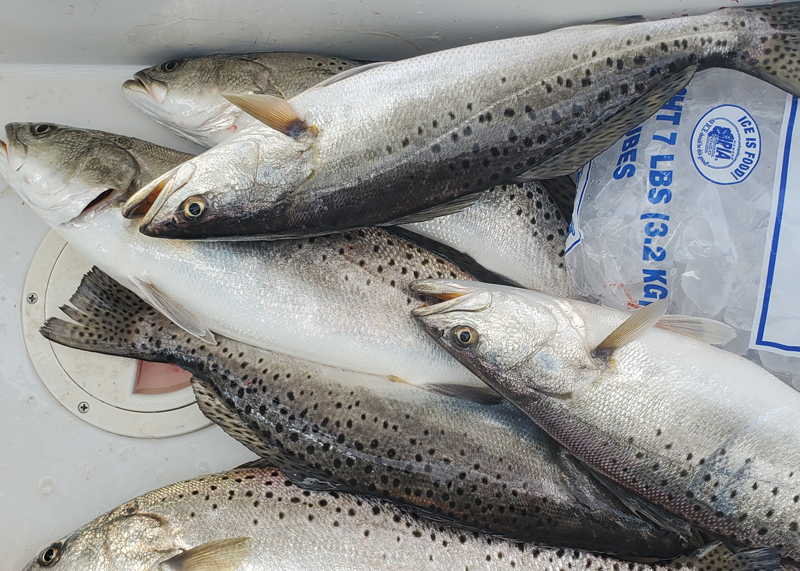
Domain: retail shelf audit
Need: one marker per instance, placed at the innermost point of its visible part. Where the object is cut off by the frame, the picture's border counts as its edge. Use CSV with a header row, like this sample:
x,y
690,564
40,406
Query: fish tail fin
x,y
772,52
717,557
112,320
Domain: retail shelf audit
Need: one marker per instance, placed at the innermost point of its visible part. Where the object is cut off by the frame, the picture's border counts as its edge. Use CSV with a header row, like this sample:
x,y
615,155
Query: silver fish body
x,y
251,520
340,300
703,433
185,95
513,230
409,136
487,468
516,230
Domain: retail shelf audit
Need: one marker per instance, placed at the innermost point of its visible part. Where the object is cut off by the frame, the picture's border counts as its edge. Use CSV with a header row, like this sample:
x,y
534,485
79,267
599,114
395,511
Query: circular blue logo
x,y
726,144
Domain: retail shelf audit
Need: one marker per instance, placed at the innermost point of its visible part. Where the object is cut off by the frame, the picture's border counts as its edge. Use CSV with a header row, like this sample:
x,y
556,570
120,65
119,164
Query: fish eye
x,y
464,336
50,555
41,129
170,65
193,207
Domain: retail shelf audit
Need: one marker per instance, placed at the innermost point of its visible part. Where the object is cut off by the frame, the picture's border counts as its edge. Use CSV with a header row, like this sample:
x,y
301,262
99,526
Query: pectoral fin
x,y
182,317
274,112
220,555
631,329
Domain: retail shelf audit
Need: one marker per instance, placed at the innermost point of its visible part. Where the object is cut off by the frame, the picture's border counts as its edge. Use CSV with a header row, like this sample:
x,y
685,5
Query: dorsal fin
x,y
445,209
274,112
631,328
348,73
620,21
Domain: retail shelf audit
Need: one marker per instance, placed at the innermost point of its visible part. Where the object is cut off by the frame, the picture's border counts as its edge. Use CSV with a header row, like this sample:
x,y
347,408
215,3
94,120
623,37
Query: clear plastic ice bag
x,y
697,204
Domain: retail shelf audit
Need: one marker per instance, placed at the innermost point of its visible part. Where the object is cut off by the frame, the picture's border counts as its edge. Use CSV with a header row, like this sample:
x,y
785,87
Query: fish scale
x,y
408,136
250,519
698,431
485,467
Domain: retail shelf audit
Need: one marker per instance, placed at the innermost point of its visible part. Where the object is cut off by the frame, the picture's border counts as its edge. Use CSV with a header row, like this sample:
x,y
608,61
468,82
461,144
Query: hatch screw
x,y
32,298
83,407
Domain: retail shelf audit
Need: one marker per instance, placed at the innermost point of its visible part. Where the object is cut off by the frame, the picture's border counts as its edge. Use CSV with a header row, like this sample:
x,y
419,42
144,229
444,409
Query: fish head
x,y
60,171
519,342
184,95
222,192
121,539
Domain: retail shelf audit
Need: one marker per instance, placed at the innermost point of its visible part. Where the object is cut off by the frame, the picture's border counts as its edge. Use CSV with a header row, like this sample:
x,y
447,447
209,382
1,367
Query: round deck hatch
x,y
98,389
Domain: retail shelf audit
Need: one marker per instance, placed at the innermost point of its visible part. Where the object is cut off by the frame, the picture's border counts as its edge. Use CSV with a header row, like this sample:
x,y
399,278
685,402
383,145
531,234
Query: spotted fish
x,y
381,143
250,519
517,233
486,467
339,300
515,230
703,433
184,94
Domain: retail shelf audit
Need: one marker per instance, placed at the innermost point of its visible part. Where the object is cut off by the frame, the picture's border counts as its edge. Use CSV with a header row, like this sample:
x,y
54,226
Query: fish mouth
x,y
14,150
152,88
455,296
148,200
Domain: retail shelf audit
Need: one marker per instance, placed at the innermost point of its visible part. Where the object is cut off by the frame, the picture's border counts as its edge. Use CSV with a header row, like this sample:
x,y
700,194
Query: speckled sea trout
x,y
705,434
184,95
381,143
251,520
340,300
516,232
488,468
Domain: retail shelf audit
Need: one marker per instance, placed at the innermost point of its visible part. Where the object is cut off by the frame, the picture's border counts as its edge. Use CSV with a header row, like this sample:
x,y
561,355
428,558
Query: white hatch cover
x,y
98,389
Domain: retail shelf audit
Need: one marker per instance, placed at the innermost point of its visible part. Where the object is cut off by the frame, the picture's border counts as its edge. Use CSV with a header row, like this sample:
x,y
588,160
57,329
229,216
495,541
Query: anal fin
x,y
648,511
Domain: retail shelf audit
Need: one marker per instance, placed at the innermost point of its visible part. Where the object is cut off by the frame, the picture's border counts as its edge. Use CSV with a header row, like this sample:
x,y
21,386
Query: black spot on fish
x,y
436,148
556,116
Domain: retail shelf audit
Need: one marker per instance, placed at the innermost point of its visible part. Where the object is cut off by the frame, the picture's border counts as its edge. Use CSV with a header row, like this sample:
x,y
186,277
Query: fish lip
x,y
462,296
156,231
146,85
156,193
12,142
